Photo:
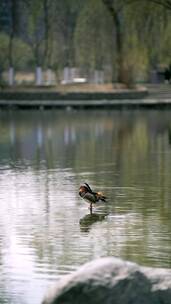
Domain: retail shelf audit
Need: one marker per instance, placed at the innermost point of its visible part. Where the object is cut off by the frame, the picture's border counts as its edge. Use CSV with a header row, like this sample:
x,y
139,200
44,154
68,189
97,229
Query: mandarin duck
x,y
90,196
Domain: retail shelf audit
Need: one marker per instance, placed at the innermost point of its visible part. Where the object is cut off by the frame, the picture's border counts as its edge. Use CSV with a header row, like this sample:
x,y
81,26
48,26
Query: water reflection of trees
x,y
130,141
86,138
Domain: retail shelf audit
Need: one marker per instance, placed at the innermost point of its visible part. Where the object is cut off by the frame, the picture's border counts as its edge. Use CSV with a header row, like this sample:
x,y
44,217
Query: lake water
x,y
45,227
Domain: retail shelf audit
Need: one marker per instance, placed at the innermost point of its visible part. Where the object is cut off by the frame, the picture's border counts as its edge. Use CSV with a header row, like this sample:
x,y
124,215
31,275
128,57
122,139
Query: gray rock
x,y
112,281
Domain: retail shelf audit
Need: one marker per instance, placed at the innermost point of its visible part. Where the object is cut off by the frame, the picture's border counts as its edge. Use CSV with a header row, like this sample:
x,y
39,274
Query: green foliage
x,y
165,56
83,34
93,36
3,51
22,54
146,38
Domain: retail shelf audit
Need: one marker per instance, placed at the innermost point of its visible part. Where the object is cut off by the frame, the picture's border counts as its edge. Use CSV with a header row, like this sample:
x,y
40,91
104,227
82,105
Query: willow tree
x,y
94,46
150,14
34,33
115,8
119,12
48,24
12,33
66,20
143,39
4,43
38,33
165,3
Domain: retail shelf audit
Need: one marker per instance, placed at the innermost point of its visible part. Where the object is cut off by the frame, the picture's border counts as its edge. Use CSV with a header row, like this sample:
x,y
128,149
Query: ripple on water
x,y
45,228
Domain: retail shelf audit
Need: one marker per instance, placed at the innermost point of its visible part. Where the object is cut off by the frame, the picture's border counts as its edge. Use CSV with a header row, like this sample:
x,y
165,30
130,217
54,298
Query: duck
x,y
91,196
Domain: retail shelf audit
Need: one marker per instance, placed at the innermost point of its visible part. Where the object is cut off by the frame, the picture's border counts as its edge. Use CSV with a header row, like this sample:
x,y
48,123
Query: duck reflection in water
x,y
89,219
90,196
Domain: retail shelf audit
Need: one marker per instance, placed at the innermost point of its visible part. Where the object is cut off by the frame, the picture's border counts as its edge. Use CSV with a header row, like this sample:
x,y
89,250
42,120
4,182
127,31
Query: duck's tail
x,y
101,197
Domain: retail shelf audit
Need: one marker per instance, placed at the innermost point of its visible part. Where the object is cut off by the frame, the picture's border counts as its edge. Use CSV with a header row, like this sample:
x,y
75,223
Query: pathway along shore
x,y
152,96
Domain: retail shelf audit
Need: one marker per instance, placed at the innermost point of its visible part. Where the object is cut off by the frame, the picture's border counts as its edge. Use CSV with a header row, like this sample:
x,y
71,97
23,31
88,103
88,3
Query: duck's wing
x,y
88,187
89,197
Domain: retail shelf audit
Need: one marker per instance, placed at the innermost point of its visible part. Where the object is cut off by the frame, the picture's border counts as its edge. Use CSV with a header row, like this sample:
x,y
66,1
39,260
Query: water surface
x,y
45,228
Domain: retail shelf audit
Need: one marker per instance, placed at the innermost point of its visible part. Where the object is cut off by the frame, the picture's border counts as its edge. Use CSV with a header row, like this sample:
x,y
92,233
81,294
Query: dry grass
x,y
66,88
90,87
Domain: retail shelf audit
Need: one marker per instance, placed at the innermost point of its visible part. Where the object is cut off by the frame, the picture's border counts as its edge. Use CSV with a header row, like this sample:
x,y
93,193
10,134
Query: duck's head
x,y
83,189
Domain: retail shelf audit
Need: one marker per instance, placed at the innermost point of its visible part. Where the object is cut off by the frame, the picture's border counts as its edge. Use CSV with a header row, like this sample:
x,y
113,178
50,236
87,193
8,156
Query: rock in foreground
x,y
112,281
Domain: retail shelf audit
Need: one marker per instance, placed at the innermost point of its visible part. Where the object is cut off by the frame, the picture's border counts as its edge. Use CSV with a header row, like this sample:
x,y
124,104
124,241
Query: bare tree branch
x,y
165,3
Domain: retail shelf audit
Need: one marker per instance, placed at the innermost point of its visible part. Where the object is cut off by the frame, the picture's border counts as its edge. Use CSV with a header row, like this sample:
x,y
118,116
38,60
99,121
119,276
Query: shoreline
x,y
81,96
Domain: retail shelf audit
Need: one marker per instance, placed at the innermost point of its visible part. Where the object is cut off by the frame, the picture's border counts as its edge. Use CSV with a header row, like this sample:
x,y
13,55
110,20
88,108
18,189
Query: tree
x,y
34,33
115,9
67,12
48,37
4,42
165,3
94,46
128,35
13,11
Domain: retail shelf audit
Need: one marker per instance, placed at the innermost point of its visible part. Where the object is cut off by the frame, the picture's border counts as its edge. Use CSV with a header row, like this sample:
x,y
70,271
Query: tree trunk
x,y
11,64
38,76
119,40
38,61
47,42
49,74
11,76
46,35
119,47
11,44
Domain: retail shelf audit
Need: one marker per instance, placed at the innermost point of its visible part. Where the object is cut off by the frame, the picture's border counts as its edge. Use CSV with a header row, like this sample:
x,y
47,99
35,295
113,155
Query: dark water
x,y
45,227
